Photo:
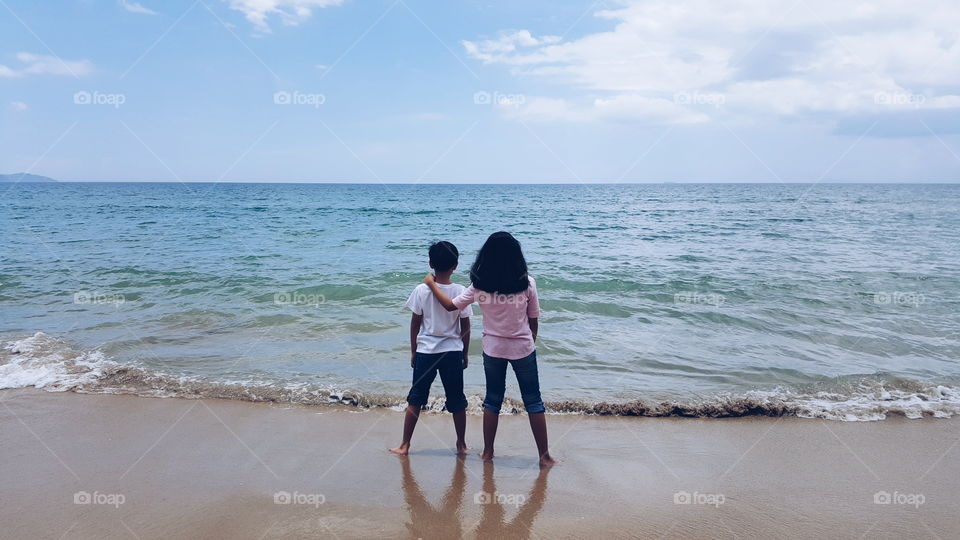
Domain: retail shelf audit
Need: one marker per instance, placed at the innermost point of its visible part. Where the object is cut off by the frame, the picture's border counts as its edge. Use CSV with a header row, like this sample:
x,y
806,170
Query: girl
x,y
508,301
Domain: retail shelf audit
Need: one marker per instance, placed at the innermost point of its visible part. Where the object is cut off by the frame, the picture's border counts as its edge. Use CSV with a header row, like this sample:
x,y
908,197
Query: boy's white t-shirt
x,y
440,331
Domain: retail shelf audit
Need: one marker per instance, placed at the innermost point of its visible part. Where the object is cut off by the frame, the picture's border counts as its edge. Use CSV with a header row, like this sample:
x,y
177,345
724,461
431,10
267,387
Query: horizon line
x,y
510,182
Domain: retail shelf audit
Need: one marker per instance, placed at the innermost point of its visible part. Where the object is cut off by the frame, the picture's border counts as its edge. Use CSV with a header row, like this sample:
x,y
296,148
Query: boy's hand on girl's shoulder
x,y
428,279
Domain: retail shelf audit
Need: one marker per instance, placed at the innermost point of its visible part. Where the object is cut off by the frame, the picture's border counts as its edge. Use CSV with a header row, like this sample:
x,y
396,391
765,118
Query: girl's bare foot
x,y
486,455
401,450
547,461
462,448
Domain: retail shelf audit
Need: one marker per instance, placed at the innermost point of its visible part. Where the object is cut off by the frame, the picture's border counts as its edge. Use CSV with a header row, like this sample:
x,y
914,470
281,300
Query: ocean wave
x,y
42,361
870,403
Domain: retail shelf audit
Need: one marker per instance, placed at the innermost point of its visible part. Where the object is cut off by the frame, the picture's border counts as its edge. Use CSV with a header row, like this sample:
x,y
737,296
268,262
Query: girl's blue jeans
x,y
526,371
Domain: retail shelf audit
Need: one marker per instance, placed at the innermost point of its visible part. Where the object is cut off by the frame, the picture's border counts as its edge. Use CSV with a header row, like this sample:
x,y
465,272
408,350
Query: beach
x,y
110,466
682,270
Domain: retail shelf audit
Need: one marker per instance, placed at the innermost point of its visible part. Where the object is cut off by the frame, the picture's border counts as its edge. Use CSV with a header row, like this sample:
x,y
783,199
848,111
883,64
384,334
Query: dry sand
x,y
175,468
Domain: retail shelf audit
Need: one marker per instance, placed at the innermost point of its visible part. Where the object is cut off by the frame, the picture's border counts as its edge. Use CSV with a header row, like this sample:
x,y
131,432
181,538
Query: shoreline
x,y
601,182
212,468
50,363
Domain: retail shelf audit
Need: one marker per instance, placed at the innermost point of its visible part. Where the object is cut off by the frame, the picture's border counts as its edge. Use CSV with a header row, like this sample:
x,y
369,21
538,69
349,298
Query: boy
x,y
439,341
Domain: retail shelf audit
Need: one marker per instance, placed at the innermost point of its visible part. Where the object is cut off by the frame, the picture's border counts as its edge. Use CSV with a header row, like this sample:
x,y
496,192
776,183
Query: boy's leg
x,y
424,372
410,417
495,371
529,381
451,375
460,426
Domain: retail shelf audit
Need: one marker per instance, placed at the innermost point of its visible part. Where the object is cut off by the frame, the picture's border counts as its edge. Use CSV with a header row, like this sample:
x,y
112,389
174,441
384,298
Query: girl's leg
x,y
529,380
495,370
490,422
538,424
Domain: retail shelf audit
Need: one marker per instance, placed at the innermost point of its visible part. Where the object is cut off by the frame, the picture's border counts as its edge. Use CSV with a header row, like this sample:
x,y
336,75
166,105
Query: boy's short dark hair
x,y
443,256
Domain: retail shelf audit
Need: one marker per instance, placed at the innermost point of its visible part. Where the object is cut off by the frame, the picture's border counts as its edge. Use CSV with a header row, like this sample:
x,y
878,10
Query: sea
x,y
830,301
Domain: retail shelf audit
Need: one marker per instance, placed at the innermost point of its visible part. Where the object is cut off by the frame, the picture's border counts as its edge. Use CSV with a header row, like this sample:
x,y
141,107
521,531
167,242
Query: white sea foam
x,y
45,362
42,361
936,400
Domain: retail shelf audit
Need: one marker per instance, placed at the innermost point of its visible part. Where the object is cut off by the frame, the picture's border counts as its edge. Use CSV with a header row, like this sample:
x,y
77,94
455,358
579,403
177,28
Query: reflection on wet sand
x,y
427,521
493,522
446,520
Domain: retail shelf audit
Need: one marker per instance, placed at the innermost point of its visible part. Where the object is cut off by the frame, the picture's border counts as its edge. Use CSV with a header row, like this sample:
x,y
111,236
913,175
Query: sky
x,y
481,91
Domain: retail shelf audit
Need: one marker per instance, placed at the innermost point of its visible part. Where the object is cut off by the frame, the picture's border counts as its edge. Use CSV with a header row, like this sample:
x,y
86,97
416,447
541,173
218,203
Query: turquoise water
x,y
838,301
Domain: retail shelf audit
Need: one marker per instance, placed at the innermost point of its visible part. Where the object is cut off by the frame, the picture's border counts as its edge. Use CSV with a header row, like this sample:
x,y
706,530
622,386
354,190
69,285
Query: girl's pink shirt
x,y
506,326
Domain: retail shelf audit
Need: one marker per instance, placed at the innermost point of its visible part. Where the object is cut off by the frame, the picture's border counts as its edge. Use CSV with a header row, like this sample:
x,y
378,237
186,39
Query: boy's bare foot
x,y
462,448
547,461
486,455
401,450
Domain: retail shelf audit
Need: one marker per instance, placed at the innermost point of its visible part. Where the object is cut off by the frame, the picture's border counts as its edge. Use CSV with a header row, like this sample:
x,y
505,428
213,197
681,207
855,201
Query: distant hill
x,y
23,177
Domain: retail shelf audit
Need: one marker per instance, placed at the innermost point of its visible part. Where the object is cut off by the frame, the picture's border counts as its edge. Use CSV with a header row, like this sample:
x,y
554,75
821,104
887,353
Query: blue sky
x,y
533,91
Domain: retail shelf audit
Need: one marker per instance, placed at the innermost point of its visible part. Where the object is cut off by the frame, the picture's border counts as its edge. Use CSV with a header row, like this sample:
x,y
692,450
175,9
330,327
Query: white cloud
x,y
291,12
621,108
19,106
39,64
655,110
785,57
492,49
136,7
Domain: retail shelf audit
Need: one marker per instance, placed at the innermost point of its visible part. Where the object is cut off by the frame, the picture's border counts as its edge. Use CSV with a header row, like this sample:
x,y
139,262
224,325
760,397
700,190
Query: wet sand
x,y
95,466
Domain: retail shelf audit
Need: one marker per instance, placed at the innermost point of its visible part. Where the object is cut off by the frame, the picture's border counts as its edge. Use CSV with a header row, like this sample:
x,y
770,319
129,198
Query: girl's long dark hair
x,y
500,266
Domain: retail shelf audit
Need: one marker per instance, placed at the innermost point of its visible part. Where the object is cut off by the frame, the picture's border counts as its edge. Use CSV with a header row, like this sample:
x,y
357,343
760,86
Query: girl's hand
x,y
428,279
